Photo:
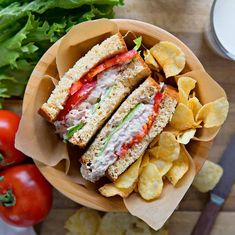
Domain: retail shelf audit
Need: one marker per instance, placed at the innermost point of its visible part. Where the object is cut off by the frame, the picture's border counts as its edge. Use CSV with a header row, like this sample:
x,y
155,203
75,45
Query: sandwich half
x,y
88,93
125,137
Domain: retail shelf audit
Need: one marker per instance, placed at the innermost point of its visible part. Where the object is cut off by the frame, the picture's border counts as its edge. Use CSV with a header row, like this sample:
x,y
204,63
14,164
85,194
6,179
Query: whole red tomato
x,y
25,195
9,123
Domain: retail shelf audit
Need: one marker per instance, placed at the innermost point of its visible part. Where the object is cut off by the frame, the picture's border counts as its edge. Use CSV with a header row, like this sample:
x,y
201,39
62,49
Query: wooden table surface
x,y
186,19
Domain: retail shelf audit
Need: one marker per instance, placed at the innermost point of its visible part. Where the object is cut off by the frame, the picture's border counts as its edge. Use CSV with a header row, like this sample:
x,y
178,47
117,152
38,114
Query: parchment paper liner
x,y
36,137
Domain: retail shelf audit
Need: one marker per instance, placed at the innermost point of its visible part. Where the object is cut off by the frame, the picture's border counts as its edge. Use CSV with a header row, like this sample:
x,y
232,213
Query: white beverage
x,y
221,33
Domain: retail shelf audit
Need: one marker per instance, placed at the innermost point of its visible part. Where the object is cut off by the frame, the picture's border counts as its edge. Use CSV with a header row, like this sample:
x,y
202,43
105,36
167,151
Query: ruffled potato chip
x,y
170,57
114,223
162,166
183,118
208,177
110,190
179,168
186,136
195,105
150,183
150,61
185,85
84,222
168,148
214,113
127,179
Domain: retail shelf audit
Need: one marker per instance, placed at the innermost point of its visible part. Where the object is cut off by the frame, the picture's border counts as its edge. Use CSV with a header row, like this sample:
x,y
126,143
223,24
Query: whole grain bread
x,y
127,79
107,49
142,94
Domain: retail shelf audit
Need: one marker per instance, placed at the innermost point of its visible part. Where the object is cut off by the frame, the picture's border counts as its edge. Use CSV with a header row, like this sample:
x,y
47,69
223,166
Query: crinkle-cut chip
x,y
117,223
153,152
195,105
150,183
185,85
208,177
110,190
84,222
168,148
127,179
179,168
214,113
150,61
170,57
154,142
183,118
186,136
162,166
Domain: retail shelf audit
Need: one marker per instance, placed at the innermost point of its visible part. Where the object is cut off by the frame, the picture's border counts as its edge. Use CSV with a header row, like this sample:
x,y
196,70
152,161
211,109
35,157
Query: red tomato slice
x,y
145,129
75,87
76,99
118,59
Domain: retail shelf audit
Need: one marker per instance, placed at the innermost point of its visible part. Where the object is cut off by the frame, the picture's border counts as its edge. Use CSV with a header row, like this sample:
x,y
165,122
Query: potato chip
x,y
150,61
162,166
208,177
84,222
185,85
110,190
153,152
150,182
186,136
195,105
129,177
214,113
183,118
154,142
114,223
145,160
170,57
179,168
169,147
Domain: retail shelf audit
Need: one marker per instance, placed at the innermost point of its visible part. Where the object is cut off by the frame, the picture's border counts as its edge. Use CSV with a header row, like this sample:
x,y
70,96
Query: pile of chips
x,y
89,222
166,157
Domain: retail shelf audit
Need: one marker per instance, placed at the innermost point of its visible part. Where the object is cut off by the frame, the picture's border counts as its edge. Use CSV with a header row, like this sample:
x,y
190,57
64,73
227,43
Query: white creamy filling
x,y
83,111
123,135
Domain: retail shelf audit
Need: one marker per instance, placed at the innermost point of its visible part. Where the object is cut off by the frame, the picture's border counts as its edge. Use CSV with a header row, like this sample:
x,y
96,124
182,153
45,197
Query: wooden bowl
x,y
55,175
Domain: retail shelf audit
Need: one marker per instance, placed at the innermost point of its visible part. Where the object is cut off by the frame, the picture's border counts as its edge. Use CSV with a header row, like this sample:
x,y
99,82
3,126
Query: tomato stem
x,y
8,199
1,157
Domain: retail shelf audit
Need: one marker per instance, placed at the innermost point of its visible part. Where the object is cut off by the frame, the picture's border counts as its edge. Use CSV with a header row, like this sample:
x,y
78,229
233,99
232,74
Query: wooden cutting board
x,y
186,20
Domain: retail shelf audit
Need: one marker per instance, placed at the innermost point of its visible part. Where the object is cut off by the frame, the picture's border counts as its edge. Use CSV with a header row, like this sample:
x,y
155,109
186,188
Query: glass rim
x,y
215,37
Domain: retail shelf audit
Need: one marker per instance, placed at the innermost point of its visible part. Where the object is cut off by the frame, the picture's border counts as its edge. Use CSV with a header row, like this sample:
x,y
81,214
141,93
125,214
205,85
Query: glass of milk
x,y
220,32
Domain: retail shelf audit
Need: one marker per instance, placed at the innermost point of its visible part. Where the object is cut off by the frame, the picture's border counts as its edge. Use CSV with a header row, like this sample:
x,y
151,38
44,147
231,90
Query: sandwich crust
x,y
107,49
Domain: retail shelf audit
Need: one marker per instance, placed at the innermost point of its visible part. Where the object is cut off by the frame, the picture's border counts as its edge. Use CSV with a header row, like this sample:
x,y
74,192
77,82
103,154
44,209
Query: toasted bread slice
x,y
107,49
113,167
135,71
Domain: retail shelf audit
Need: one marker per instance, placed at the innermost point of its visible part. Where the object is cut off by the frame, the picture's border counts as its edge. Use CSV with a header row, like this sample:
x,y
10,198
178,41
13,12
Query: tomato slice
x,y
75,87
146,127
76,99
118,59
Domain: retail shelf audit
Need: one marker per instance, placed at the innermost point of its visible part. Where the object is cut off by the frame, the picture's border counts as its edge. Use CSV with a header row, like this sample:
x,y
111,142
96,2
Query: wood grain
x,y
180,223
186,20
